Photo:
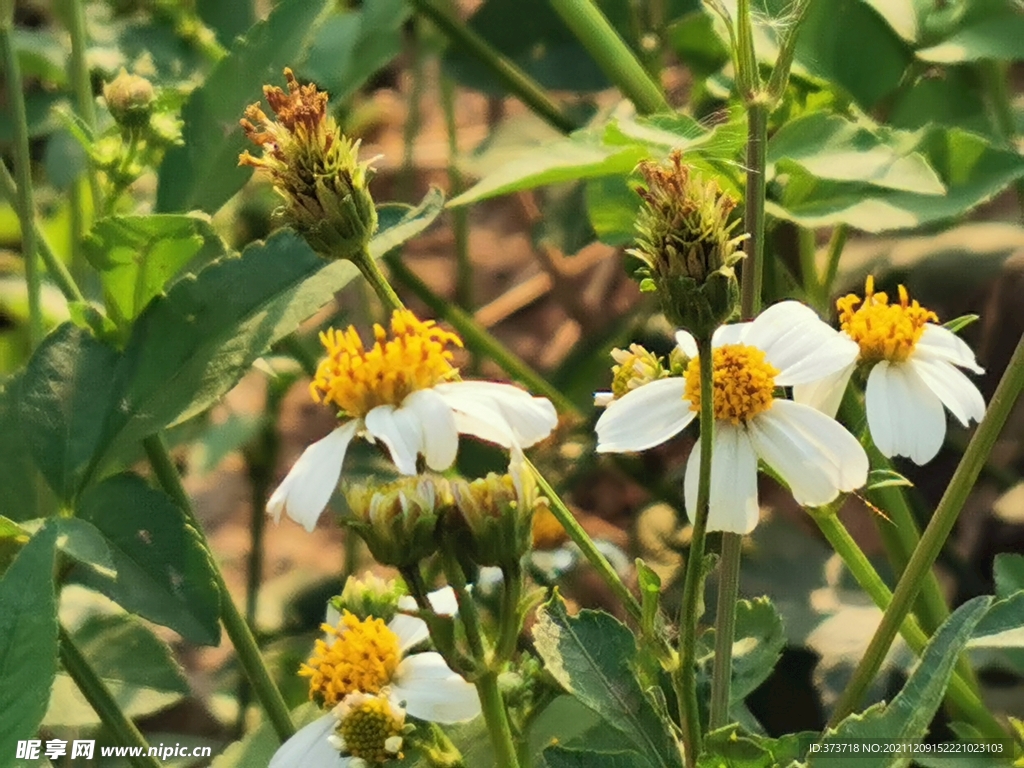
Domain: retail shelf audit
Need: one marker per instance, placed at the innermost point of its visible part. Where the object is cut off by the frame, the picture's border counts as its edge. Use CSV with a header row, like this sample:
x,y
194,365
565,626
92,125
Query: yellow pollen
x,y
416,356
884,331
367,728
363,656
743,383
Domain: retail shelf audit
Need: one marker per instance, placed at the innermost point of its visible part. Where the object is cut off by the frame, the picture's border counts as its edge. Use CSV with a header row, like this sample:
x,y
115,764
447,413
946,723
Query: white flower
x,y
786,345
400,392
914,374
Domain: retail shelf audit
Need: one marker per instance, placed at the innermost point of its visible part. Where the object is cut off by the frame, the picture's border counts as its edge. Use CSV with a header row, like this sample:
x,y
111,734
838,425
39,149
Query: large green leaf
x,y
829,146
560,757
730,747
996,35
907,716
1002,626
591,656
64,397
19,499
1008,571
757,645
164,573
137,256
193,344
28,641
138,669
203,172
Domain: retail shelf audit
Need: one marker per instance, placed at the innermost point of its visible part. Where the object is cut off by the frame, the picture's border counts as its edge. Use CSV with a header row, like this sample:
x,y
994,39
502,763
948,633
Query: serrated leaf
x,y
28,641
137,256
203,172
164,573
757,645
560,757
591,655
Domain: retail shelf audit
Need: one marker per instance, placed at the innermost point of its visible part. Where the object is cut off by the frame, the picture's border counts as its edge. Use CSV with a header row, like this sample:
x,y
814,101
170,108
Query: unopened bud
x,y
130,100
369,595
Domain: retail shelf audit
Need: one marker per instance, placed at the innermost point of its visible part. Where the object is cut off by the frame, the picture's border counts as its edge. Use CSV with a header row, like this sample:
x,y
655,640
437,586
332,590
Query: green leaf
x,y
191,345
560,757
757,647
732,748
203,172
907,716
591,656
994,37
138,669
28,641
901,16
886,478
828,146
65,397
164,573
350,47
954,100
1008,571
957,324
1001,627
18,474
137,256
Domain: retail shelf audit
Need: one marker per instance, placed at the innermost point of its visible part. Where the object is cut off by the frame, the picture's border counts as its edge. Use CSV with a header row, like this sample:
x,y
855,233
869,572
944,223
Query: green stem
x,y
23,170
414,116
693,586
808,267
368,266
58,271
938,530
612,55
725,629
234,623
478,338
84,100
753,217
963,700
460,215
496,717
835,249
580,538
510,620
507,73
102,700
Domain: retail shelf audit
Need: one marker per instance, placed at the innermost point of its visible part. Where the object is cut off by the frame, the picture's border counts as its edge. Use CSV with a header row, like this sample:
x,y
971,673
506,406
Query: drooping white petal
x,y
953,388
733,502
308,486
411,630
686,343
601,399
645,417
499,413
440,435
825,394
905,417
431,691
309,747
401,432
943,344
812,453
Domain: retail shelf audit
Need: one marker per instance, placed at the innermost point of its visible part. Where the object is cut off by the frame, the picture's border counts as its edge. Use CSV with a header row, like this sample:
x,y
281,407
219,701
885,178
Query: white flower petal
x,y
905,417
601,399
440,435
411,630
499,413
686,343
443,601
309,747
401,431
645,417
308,486
953,388
812,453
942,344
733,504
825,394
431,691
734,333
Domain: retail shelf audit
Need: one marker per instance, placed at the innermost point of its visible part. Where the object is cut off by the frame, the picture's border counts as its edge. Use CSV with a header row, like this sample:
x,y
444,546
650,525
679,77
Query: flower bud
x,y
635,367
397,519
369,595
684,239
314,167
130,100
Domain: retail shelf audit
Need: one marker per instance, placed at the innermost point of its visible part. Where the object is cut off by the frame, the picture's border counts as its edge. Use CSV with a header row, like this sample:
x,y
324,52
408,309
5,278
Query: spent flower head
x,y
685,240
130,100
314,167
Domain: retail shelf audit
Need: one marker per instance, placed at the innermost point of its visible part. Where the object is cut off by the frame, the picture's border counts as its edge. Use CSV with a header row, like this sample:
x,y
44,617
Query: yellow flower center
x,y
363,656
356,379
883,331
370,728
744,381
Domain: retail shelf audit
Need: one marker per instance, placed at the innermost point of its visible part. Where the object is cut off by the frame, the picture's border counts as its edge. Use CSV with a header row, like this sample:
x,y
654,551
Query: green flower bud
x,y
636,367
130,100
369,595
684,239
314,167
397,520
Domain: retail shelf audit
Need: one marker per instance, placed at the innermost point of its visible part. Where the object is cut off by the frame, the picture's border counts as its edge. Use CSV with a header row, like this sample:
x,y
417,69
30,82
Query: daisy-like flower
x,y
404,392
362,669
786,345
914,373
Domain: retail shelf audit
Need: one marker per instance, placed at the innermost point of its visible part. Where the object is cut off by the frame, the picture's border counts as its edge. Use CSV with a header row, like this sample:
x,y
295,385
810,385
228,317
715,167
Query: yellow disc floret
x,y
744,381
362,656
415,355
371,727
884,331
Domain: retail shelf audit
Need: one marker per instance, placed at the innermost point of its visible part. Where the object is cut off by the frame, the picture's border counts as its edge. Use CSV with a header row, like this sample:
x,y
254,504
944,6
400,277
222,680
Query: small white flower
x,y
787,345
914,374
400,392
